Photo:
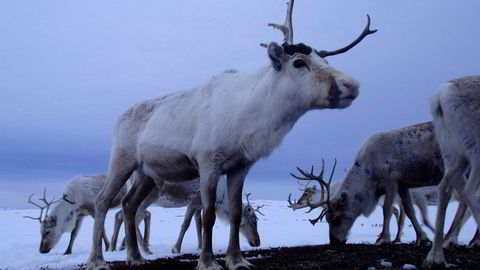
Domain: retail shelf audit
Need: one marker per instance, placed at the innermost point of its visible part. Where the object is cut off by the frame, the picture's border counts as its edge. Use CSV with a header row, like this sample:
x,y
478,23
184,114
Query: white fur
x,y
455,109
223,127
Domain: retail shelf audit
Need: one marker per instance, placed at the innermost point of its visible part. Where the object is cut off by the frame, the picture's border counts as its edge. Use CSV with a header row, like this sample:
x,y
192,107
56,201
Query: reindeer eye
x,y
299,63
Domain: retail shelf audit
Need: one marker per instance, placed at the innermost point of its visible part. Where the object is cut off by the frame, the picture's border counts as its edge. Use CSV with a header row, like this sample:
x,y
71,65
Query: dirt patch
x,y
354,256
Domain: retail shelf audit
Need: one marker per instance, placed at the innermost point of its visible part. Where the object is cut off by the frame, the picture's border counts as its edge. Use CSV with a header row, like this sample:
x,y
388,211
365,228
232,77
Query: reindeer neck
x,y
272,110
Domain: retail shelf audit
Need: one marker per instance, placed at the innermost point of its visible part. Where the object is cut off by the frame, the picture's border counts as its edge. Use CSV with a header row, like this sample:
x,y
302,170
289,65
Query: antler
x,y
286,28
257,208
307,176
366,32
46,207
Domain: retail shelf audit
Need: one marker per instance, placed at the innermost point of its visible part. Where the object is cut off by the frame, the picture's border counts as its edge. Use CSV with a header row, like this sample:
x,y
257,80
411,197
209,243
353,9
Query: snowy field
x,y
281,226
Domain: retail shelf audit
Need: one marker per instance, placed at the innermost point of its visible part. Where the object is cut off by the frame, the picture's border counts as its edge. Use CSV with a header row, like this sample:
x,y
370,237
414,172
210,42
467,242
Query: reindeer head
x,y
51,226
306,72
340,221
248,225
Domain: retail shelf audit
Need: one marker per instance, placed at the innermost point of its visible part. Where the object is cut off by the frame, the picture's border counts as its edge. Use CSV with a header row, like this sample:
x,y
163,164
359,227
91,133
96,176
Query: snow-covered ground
x,y
280,227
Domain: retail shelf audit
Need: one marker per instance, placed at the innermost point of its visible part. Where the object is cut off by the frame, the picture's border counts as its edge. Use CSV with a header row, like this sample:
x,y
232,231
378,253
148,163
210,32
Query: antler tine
x,y
286,28
248,195
47,203
366,32
39,218
289,200
257,209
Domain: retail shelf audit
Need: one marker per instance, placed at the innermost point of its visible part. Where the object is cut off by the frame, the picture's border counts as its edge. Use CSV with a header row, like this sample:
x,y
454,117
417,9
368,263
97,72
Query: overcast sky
x,y
69,68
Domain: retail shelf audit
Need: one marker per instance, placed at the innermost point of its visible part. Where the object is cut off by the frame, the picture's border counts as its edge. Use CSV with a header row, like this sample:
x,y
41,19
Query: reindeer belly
x,y
168,165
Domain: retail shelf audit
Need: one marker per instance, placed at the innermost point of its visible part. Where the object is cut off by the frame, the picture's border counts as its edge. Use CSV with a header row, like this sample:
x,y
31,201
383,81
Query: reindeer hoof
x,y
474,244
175,250
436,260
136,261
237,262
212,265
382,240
99,265
423,242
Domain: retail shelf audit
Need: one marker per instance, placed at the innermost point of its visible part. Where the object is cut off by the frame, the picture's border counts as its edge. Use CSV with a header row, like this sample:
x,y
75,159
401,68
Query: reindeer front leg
x,y
73,235
116,230
209,175
400,225
422,238
186,223
234,258
387,214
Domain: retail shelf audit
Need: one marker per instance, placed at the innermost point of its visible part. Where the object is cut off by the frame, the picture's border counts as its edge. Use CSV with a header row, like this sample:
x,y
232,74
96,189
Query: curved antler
x,y
308,176
257,208
366,32
286,28
46,207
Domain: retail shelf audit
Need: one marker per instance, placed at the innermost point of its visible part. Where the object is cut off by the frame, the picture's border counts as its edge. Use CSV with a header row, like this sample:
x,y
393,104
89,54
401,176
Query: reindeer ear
x,y
277,55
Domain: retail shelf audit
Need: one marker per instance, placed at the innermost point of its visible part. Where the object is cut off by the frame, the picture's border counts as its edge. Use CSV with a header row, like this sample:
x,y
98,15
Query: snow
x,y
281,226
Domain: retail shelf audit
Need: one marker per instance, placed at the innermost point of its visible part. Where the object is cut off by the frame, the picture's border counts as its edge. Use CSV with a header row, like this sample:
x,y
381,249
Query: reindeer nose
x,y
352,85
44,250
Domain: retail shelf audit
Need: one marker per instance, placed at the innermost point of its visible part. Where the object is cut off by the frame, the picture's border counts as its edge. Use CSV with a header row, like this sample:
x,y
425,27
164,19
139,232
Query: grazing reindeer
x,y
389,163
67,213
456,116
222,127
188,194
422,197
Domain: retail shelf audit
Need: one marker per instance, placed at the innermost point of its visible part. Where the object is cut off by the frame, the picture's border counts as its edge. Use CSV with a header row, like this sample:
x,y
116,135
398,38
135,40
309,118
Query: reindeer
x,y
174,195
222,127
389,163
455,109
422,197
68,212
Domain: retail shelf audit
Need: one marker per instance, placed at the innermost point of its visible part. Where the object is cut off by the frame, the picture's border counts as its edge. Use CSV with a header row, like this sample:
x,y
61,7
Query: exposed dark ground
x,y
353,256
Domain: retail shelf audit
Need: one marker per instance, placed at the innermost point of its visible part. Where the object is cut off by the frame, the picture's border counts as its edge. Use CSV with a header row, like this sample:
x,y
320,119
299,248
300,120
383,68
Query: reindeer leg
x,y
121,167
130,203
198,225
454,171
146,222
400,225
423,206
451,239
186,223
410,211
209,175
73,235
234,258
475,242
387,214
116,230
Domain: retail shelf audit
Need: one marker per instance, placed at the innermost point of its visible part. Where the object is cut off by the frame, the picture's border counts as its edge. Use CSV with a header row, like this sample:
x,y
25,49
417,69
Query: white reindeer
x,y
422,197
389,163
78,201
456,116
175,195
222,127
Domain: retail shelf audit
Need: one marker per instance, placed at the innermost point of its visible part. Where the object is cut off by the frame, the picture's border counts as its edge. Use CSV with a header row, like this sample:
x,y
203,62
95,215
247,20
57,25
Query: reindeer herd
x,y
173,151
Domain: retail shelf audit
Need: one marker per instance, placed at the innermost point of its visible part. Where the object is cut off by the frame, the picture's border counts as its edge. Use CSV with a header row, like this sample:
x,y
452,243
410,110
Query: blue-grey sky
x,y
68,68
